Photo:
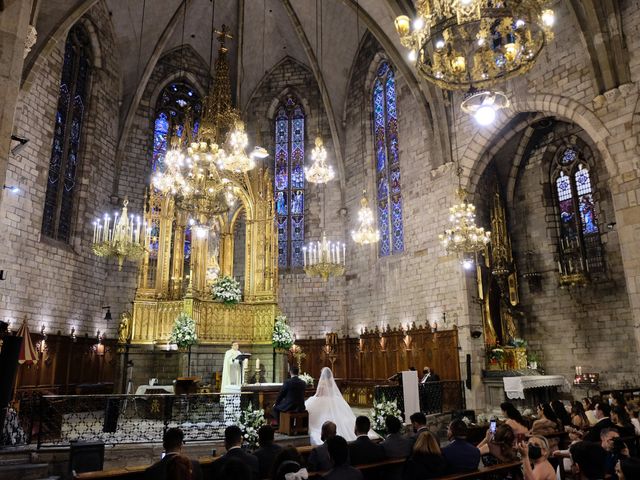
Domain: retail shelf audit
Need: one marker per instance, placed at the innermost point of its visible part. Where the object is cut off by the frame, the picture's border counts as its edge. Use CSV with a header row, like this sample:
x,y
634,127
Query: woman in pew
x,y
579,418
499,447
426,461
535,459
514,418
622,422
546,424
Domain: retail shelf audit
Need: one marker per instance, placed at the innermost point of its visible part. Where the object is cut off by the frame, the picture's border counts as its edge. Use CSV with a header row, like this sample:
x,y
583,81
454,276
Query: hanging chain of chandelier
x,y
474,44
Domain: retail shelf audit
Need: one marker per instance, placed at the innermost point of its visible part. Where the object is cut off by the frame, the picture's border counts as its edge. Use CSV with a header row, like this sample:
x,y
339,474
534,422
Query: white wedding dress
x,y
328,404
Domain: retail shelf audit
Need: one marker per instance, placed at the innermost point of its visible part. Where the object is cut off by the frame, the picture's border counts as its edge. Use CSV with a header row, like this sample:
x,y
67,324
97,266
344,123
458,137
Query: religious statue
x,y
124,327
231,370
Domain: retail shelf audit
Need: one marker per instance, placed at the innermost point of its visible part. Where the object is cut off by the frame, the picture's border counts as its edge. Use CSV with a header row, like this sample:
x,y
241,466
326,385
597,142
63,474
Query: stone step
x,y
24,471
14,458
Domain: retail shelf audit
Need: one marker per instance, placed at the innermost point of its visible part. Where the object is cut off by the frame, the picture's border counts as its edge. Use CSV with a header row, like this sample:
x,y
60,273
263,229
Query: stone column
x,y
14,23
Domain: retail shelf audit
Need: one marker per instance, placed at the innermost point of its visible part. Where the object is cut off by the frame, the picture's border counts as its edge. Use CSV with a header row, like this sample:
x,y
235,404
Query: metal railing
x,y
127,419
435,397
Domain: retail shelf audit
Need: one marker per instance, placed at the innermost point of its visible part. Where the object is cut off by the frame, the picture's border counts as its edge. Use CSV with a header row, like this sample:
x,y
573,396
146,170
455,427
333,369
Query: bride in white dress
x,y
328,404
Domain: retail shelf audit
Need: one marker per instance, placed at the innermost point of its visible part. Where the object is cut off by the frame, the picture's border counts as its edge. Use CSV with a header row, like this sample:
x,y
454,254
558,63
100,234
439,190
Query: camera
x,y
476,333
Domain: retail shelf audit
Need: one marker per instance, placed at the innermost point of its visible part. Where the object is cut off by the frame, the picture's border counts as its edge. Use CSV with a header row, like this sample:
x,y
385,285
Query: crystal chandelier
x,y
319,171
458,44
324,258
463,238
235,158
124,239
366,232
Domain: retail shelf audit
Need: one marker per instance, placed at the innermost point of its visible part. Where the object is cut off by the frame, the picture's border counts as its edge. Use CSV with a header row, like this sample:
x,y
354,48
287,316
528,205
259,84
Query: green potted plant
x,y
533,360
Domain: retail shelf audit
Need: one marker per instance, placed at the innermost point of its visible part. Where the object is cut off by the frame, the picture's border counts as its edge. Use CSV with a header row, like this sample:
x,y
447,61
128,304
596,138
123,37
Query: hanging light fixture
x,y
124,239
324,259
367,232
483,106
235,158
319,171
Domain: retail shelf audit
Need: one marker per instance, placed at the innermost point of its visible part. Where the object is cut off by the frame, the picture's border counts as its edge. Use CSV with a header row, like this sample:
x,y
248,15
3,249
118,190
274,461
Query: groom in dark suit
x,y
291,397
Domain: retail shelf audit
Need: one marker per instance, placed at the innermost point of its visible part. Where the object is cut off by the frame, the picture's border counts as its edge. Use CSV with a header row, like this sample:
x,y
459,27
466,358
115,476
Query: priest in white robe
x,y
231,370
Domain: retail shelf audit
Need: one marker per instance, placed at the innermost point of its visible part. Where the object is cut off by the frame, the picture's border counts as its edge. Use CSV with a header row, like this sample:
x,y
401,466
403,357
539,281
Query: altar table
x,y
514,387
142,389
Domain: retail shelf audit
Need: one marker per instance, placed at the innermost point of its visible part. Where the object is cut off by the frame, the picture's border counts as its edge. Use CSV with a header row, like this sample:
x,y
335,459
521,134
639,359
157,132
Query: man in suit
x,y
339,453
396,445
233,445
172,442
603,410
419,423
429,376
319,460
291,397
268,450
362,450
461,456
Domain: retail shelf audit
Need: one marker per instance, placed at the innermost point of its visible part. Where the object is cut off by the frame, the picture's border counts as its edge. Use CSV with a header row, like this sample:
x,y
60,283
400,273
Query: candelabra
x,y
122,239
323,258
330,347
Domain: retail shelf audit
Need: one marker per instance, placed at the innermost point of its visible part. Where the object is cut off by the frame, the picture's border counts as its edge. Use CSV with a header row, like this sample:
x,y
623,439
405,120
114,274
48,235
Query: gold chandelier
x,y
463,238
324,258
367,232
319,171
123,239
459,44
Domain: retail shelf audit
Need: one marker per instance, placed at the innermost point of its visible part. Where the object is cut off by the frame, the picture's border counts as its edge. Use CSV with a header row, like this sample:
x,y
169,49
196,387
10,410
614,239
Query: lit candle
x,y
95,232
344,253
577,368
245,363
304,256
559,267
257,364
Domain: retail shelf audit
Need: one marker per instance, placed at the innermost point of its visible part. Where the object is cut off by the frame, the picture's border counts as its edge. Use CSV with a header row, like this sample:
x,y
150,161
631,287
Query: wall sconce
x,y
73,334
100,346
41,346
107,315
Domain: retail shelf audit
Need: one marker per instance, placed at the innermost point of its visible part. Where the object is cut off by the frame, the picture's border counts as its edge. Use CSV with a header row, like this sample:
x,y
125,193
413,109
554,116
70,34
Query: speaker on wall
x,y
468,380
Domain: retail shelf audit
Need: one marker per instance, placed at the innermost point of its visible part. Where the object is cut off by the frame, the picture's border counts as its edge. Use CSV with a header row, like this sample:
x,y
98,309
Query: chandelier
x,y
319,171
463,237
124,239
458,44
324,258
235,159
366,232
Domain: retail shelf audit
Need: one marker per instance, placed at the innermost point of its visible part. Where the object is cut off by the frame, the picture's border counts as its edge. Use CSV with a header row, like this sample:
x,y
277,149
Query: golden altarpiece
x,y
497,280
172,278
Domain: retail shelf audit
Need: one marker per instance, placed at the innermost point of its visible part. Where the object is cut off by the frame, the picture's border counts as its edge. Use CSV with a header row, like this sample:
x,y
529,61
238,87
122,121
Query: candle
x,y
577,368
559,267
304,256
95,231
257,364
245,363
344,253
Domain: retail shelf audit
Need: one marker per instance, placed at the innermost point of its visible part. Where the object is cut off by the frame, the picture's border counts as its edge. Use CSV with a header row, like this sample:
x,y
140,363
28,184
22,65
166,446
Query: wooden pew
x,y
483,472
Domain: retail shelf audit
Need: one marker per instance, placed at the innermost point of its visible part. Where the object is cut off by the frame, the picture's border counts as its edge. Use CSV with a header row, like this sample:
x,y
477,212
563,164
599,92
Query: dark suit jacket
x,y
432,377
419,467
461,457
344,472
266,456
291,397
397,446
593,435
362,450
241,455
158,471
319,460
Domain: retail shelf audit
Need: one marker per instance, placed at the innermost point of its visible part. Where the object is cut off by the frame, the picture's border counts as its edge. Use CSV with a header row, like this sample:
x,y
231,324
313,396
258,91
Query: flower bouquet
x,y
183,333
227,290
380,411
496,357
282,337
249,421
308,379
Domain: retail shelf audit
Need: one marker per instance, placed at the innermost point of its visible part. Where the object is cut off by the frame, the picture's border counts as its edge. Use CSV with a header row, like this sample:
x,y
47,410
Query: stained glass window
x,y
387,162
577,207
67,137
173,102
289,182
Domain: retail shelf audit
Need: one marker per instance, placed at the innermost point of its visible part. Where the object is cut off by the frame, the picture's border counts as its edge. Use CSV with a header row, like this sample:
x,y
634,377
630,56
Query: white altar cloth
x,y
142,389
514,387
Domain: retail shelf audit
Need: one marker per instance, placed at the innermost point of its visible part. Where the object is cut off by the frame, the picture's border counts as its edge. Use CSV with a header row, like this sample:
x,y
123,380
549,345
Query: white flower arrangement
x,y
380,412
282,335
249,421
308,379
183,333
227,290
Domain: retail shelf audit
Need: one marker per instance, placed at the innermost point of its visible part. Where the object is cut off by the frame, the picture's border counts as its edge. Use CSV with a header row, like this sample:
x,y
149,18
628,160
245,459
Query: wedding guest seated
x,y
461,456
514,418
396,445
287,456
290,470
546,424
339,453
588,462
499,447
628,468
426,460
602,412
268,450
635,421
362,450
561,413
319,460
233,445
579,418
589,410
172,441
613,449
535,459
418,423
291,396
622,422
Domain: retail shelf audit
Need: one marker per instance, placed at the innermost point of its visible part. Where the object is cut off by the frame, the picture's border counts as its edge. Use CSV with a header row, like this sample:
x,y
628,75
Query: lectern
x,y
240,359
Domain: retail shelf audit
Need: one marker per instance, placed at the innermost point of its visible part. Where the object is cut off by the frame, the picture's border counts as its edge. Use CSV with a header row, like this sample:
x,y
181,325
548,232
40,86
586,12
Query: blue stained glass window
x,y
67,136
387,162
289,182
